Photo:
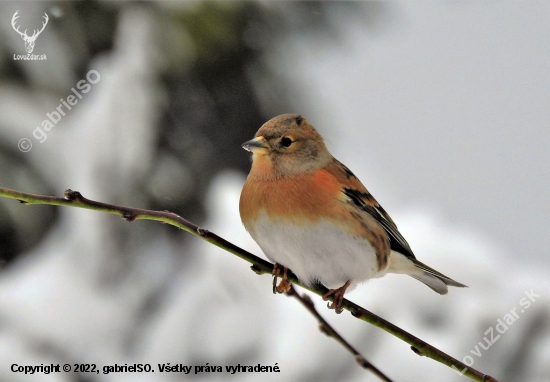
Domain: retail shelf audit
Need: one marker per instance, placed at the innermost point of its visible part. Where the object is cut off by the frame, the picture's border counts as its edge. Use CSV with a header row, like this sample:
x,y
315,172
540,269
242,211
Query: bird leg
x,y
338,297
284,285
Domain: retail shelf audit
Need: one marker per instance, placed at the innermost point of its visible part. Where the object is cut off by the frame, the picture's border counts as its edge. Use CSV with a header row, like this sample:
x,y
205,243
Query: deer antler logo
x,y
29,40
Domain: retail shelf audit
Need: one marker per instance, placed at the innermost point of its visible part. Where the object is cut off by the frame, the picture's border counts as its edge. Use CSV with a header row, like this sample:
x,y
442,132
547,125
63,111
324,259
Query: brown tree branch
x,y
326,328
260,266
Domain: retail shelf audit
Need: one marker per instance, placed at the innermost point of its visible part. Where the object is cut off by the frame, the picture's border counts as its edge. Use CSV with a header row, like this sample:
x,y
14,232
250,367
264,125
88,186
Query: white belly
x,y
322,252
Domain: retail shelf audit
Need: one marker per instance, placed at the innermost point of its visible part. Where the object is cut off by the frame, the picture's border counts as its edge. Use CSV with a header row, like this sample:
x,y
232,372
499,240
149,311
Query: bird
x,y
312,216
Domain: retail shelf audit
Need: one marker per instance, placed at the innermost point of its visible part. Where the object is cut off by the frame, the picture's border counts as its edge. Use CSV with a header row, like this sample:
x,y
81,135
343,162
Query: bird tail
x,y
432,278
399,263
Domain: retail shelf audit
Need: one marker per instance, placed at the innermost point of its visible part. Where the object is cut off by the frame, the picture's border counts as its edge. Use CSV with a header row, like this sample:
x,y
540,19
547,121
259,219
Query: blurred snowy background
x,y
441,108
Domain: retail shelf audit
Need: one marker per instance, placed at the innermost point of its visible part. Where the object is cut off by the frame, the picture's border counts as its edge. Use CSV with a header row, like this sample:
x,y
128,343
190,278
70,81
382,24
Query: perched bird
x,y
310,214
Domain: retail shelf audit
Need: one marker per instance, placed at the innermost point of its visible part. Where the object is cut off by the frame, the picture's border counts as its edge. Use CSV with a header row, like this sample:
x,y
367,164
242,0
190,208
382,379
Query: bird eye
x,y
286,141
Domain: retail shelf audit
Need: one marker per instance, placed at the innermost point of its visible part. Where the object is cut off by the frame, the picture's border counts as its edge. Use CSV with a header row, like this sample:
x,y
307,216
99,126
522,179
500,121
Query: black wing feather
x,y
397,241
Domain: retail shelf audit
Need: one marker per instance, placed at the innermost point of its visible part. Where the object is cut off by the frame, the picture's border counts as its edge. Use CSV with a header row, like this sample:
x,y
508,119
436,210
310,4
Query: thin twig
x,y
260,266
326,328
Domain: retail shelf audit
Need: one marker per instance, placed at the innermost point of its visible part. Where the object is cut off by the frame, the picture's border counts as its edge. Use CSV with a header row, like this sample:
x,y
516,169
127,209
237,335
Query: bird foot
x,y
284,285
338,297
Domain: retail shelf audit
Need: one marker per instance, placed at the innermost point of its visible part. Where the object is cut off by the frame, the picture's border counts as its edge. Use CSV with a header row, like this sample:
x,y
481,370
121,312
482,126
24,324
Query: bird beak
x,y
257,145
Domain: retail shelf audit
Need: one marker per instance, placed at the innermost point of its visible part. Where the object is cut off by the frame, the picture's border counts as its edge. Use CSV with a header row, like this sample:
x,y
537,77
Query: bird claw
x,y
275,273
338,297
331,306
274,284
284,285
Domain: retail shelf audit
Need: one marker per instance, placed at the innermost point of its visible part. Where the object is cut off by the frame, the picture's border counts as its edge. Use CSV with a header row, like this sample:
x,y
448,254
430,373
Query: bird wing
x,y
358,196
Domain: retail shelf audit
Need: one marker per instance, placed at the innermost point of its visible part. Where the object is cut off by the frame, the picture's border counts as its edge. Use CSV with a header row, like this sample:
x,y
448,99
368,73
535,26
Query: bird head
x,y
288,145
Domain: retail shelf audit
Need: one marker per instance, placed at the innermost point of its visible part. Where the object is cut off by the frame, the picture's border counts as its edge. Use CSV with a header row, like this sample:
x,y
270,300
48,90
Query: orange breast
x,y
307,197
